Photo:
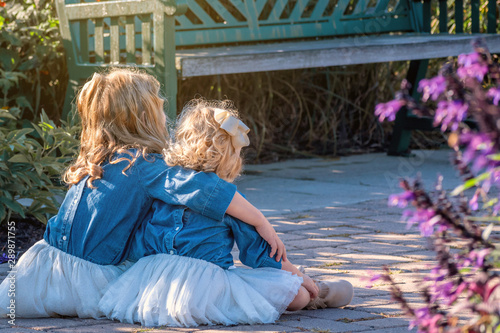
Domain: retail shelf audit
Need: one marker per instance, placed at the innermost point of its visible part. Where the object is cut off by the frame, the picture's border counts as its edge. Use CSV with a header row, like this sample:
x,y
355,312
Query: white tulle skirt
x,y
180,291
50,282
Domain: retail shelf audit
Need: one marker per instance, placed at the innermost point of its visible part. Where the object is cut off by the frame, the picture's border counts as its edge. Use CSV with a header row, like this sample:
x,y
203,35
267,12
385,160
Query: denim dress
x,y
86,245
185,275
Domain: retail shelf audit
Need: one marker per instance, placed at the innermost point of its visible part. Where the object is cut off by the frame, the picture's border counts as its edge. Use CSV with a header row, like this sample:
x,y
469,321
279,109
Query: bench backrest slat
x,y
475,16
84,41
459,16
99,40
114,40
146,46
286,19
130,39
492,17
443,17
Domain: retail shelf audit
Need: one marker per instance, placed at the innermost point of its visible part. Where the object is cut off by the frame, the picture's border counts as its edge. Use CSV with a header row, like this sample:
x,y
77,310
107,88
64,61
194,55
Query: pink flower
x,y
401,200
494,94
450,114
388,110
472,65
432,88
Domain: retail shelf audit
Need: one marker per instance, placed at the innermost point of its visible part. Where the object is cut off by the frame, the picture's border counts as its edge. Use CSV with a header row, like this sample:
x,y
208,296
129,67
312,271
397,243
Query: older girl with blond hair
x,y
115,183
186,276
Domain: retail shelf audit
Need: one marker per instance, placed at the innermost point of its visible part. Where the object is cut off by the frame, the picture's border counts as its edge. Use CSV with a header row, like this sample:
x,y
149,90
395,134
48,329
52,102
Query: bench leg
x,y
171,94
68,99
401,134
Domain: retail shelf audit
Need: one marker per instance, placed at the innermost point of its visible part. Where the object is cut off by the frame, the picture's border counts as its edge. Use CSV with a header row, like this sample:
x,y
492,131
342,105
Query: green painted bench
x,y
179,39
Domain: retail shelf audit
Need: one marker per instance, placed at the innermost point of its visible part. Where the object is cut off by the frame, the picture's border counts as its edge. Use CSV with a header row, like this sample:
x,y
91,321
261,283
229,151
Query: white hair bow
x,y
234,127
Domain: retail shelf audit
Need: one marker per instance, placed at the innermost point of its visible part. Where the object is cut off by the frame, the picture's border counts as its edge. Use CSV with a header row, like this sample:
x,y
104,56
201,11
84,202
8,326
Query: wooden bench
x,y
174,40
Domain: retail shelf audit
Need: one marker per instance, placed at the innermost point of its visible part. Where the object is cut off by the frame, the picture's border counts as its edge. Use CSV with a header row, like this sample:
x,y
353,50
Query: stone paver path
x,y
344,237
346,242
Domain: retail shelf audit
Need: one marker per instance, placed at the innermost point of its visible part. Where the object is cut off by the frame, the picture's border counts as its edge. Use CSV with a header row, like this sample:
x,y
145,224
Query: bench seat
x,y
325,52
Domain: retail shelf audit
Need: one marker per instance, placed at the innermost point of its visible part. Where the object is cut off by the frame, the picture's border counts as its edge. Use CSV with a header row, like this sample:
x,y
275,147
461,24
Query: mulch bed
x,y
28,232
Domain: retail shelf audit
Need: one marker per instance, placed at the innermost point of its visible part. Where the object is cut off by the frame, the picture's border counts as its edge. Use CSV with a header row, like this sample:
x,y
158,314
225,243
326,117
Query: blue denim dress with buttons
x,y
98,224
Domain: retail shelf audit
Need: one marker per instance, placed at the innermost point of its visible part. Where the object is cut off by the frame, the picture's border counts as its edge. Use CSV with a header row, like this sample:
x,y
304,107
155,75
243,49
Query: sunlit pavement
x,y
333,217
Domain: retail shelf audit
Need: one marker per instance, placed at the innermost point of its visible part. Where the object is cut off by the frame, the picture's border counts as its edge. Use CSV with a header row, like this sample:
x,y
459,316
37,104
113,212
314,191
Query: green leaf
x,y
16,135
484,218
6,114
22,102
487,232
9,59
494,157
16,188
471,183
491,203
11,38
38,168
19,158
13,205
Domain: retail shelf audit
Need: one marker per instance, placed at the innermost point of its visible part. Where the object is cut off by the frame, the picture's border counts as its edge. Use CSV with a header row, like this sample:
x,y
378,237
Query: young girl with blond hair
x,y
186,276
115,183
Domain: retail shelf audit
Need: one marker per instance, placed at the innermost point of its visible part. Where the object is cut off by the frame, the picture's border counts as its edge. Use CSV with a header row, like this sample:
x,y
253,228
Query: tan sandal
x,y
332,294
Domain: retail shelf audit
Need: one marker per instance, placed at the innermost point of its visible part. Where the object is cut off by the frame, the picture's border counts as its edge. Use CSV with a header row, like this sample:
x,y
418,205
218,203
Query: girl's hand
x,y
311,287
267,232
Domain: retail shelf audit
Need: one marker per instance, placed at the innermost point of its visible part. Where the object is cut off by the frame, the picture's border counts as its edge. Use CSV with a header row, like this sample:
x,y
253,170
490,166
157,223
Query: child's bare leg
x,y
300,301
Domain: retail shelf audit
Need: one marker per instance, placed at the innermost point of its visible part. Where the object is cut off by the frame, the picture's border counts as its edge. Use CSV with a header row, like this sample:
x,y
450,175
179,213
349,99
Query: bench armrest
x,y
171,8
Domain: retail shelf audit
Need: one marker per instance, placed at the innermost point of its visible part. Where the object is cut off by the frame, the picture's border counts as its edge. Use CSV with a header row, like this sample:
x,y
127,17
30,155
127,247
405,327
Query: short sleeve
x,y
204,193
254,250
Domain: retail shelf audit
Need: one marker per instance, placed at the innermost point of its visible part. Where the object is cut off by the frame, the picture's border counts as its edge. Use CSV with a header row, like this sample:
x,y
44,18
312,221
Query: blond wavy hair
x,y
120,110
200,144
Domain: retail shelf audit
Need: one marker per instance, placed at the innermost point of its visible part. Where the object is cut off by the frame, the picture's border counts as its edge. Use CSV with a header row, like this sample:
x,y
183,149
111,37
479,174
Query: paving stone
x,y
250,328
327,263
383,305
376,247
394,238
331,232
17,330
285,237
99,326
283,226
393,330
385,322
415,266
361,291
52,323
310,324
318,252
340,314
387,227
421,255
320,242
375,260
4,269
169,329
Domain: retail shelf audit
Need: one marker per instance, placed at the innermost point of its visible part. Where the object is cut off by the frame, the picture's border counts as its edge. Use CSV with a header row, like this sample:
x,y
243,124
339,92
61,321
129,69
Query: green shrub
x,y
32,158
31,53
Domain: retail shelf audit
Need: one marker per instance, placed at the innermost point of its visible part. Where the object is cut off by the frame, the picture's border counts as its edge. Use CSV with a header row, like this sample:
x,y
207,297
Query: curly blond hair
x,y
201,145
120,110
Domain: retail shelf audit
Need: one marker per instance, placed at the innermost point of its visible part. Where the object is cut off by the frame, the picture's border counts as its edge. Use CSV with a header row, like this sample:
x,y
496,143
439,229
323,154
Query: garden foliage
x,y
31,161
464,284
33,150
33,71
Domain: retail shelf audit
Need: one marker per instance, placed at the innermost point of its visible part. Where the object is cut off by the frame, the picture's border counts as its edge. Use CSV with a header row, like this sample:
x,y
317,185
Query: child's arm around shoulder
x,y
243,210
